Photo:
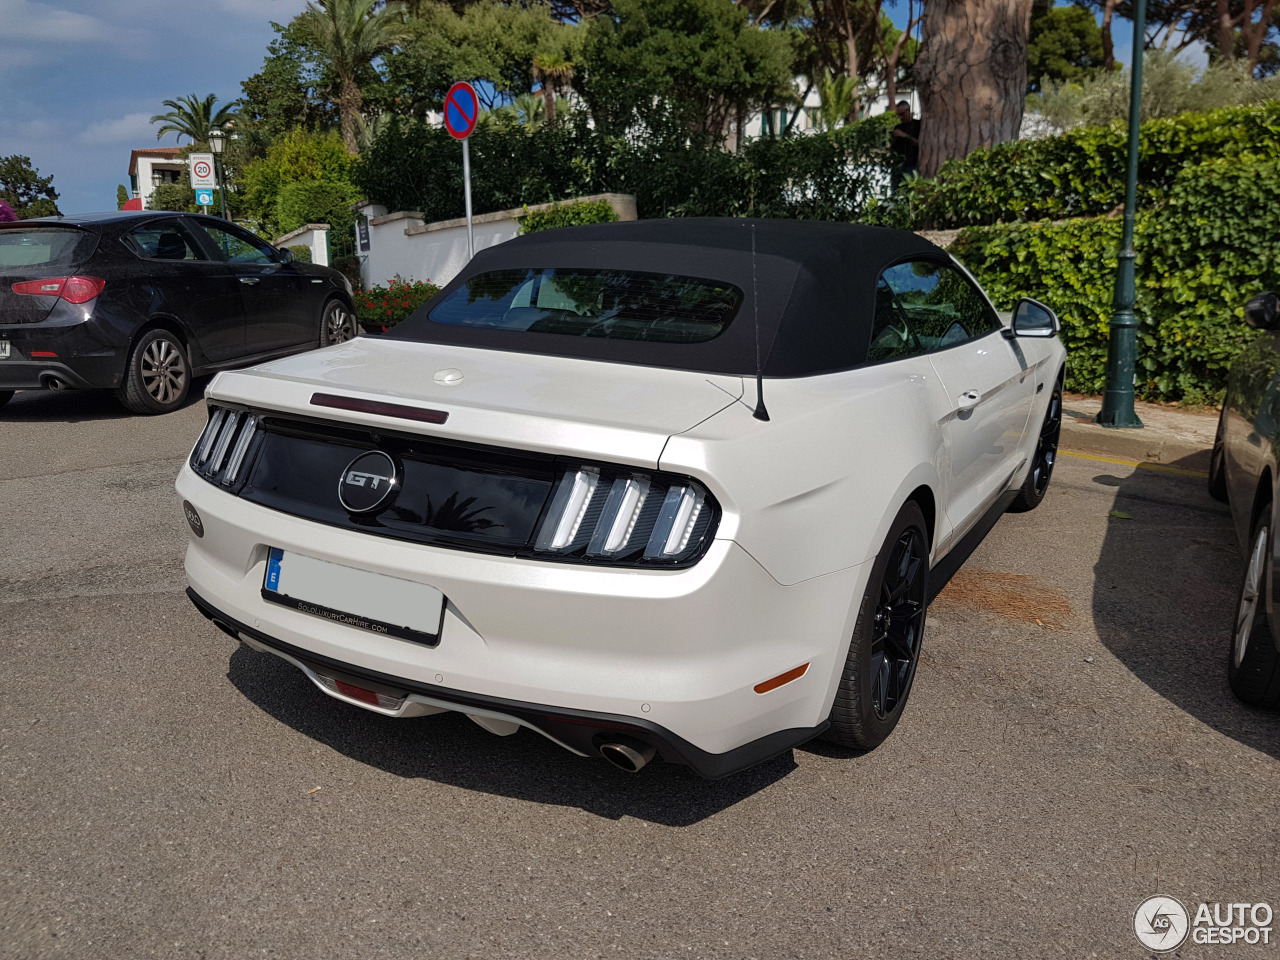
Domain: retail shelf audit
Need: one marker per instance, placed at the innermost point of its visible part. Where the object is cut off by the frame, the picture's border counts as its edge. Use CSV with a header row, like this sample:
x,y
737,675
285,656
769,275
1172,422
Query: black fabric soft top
x,y
811,285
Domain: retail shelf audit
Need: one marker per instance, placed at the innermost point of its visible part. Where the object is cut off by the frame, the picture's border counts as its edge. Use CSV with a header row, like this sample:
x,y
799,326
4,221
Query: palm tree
x,y
553,72
349,35
192,117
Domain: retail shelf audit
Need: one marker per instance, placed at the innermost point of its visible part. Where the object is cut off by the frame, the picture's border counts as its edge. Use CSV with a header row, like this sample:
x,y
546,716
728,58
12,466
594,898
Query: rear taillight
x,y
619,516
222,448
72,289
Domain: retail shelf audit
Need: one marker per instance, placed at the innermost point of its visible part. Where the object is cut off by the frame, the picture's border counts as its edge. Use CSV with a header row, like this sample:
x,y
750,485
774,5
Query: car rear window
x,y
611,304
44,247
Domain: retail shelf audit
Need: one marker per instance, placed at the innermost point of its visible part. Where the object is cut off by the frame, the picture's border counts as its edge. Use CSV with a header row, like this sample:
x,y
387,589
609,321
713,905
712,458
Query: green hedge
x,y
1082,172
825,176
567,215
1213,243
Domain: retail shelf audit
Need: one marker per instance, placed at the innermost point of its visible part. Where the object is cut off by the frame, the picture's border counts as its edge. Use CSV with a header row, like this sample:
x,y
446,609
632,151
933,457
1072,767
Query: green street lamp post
x,y
1117,401
217,140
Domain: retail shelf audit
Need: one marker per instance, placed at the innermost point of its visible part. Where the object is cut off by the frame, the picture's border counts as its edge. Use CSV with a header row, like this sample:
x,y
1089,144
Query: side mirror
x,y
1263,312
285,255
1031,318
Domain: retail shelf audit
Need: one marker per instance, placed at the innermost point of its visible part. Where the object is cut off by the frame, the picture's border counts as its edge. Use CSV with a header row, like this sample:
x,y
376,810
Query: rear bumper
x,y
580,731
80,358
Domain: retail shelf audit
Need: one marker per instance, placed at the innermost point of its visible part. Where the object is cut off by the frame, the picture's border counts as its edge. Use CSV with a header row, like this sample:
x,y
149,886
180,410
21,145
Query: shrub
x,y
316,201
174,196
1210,246
301,252
827,176
567,215
1082,172
349,267
379,308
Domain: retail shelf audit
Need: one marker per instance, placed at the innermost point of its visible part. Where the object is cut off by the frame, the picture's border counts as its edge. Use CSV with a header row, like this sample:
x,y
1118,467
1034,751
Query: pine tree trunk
x,y
972,76
1108,44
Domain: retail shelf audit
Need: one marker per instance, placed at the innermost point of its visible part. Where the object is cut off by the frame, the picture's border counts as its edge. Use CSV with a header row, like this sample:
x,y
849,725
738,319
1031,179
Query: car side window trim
x,y
169,224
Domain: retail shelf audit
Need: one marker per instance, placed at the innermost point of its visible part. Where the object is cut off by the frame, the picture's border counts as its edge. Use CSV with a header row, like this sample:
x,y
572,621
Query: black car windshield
x,y
611,304
22,249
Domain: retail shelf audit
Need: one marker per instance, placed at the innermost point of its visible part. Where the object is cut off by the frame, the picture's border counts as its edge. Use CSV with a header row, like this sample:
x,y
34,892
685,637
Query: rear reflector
x,y
71,289
782,679
399,410
358,693
43,353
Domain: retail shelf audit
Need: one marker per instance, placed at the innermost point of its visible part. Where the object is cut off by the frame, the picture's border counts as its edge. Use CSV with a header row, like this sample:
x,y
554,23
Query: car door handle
x,y
968,400
249,280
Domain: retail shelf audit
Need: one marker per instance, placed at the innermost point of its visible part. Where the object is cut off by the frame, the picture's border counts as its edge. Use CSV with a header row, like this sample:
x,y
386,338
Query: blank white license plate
x,y
4,349
357,598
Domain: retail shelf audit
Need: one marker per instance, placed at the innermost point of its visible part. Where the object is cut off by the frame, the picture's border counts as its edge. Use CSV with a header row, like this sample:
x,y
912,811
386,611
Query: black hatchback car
x,y
140,302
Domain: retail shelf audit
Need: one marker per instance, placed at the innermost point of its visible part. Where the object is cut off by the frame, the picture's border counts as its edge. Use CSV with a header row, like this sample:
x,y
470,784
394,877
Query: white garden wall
x,y
403,243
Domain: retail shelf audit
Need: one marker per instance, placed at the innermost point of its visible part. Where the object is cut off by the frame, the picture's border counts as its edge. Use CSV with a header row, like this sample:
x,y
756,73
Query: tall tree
x,y
348,35
972,75
193,118
24,190
554,72
1065,46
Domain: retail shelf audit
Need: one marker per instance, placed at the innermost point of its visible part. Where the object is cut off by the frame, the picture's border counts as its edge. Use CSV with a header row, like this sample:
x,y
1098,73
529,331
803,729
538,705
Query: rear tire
x,y
5,397
1253,663
885,648
337,324
1037,483
158,376
1217,461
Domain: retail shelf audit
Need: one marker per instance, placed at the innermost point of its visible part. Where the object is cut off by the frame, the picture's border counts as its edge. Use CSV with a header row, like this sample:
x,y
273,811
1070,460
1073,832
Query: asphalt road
x,y
1070,749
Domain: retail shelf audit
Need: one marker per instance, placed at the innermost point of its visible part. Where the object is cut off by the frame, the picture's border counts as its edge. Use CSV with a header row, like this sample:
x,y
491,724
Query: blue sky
x,y
80,79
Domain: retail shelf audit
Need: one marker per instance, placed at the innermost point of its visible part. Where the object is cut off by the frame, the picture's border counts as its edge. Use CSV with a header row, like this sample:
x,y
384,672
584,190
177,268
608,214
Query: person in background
x,y
905,143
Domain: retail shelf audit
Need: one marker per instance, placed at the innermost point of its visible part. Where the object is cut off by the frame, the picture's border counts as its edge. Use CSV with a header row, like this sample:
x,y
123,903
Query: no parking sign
x,y
461,111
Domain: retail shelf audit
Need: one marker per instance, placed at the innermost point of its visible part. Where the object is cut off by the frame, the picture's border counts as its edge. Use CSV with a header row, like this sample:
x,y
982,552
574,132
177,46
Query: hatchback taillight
x,y
72,289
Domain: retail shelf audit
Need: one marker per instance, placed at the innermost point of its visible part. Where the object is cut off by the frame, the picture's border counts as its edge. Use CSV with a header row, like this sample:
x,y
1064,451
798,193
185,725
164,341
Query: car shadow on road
x,y
79,406
449,748
1164,596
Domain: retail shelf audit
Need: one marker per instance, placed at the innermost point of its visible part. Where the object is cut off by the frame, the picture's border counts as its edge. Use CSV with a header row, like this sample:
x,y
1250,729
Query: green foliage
x,y
24,190
122,196
290,90
299,157
821,177
380,307
568,215
690,62
1065,46
193,118
176,196
1082,172
1211,245
1169,87
316,201
301,252
348,266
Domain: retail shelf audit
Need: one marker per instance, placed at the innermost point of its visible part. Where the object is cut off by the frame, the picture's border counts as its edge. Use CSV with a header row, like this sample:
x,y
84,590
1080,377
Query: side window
x,y
163,240
892,337
942,306
238,246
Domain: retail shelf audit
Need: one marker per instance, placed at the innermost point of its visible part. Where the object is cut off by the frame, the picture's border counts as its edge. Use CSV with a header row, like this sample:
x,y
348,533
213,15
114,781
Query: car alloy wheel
x,y
1253,667
164,371
899,624
885,648
157,376
1247,609
339,323
1045,457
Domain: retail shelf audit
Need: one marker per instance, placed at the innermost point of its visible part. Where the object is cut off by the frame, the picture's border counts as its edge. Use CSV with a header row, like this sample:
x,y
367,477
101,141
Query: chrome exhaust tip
x,y
627,754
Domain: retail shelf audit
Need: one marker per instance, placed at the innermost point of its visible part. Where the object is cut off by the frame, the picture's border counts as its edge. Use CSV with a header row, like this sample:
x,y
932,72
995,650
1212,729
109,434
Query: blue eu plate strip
x,y
273,569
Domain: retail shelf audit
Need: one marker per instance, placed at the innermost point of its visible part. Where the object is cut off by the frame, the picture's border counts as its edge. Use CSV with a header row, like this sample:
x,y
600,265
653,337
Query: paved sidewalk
x,y
1168,434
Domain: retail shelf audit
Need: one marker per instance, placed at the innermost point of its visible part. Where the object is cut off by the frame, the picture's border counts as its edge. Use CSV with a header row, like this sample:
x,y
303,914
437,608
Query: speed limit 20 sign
x,y
201,170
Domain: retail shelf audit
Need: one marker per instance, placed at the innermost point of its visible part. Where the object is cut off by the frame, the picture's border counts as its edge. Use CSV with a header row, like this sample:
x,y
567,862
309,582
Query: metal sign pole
x,y
466,189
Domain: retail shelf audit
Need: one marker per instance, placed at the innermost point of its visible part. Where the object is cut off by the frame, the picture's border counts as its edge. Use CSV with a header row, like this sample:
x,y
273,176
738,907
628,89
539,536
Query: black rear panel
x,y
38,252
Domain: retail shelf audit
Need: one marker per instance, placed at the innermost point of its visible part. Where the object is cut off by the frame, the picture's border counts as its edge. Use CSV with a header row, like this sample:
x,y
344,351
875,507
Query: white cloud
x,y
24,20
134,128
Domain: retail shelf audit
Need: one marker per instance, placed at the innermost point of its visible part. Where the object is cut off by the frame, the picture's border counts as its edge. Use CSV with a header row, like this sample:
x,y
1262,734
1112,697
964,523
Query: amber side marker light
x,y
782,679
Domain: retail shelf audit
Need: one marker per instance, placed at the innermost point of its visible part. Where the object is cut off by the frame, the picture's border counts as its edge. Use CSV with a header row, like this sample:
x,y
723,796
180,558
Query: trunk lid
x,y
36,252
587,408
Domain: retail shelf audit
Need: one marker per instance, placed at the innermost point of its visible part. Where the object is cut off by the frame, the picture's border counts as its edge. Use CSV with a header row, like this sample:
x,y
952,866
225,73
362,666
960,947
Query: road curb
x,y
1145,445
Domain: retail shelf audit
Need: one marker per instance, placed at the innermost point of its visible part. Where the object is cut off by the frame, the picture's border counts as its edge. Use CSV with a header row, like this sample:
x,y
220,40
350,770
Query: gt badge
x,y
369,482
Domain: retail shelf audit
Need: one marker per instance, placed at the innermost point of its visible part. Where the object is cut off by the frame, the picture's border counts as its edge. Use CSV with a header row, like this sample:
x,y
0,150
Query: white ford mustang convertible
x,y
677,488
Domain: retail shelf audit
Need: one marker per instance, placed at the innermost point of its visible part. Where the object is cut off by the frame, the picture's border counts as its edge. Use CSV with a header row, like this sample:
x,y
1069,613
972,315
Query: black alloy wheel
x,y
1253,665
885,649
337,324
1042,461
158,376
1217,460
